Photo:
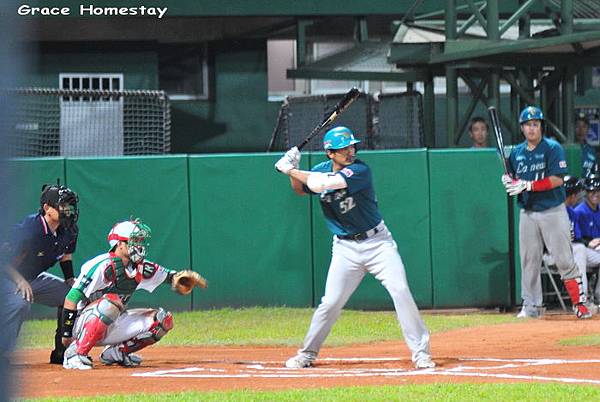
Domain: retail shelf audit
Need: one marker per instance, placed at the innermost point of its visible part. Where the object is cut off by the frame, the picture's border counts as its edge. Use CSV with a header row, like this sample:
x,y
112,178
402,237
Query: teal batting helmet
x,y
531,113
338,138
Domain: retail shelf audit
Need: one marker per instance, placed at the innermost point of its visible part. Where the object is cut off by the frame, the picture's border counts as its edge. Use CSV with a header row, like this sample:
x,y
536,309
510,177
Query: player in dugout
x,y
38,242
362,244
537,166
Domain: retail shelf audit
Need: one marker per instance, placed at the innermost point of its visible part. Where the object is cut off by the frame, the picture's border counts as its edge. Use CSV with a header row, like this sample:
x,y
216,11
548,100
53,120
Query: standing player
x,y
537,166
362,243
589,163
94,309
39,241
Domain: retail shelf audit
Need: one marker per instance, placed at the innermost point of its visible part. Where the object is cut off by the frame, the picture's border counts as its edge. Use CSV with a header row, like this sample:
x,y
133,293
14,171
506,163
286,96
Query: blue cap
x,y
531,113
338,138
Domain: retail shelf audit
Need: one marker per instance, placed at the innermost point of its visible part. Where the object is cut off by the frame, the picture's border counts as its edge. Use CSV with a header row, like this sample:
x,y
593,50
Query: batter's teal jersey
x,y
352,209
545,160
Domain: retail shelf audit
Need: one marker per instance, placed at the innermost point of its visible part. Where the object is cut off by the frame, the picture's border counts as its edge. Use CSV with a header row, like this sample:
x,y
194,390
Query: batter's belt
x,y
363,235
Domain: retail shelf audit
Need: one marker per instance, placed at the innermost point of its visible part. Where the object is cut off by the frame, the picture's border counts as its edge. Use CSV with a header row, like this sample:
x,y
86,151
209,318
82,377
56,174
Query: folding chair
x,y
551,271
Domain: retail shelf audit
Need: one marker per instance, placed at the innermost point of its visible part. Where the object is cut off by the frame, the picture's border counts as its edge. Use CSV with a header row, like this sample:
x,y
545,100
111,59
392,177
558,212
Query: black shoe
x,y
56,357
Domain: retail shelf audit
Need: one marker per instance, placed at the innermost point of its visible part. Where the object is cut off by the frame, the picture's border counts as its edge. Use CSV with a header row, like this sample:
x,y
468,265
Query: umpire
x,y
37,243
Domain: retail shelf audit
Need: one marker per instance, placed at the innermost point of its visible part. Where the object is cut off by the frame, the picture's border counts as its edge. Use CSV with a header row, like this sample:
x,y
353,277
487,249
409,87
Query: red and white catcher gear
x,y
578,298
157,324
103,313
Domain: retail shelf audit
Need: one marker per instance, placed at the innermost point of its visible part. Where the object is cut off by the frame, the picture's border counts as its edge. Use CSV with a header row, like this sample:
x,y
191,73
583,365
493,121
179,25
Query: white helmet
x,y
137,236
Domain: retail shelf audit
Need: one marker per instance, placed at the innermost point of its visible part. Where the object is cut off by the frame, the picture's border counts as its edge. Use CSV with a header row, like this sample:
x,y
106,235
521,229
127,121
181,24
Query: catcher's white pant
x,y
351,260
130,324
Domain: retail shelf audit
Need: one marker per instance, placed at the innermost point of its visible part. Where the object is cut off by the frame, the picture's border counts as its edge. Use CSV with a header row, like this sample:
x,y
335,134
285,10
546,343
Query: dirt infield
x,y
520,352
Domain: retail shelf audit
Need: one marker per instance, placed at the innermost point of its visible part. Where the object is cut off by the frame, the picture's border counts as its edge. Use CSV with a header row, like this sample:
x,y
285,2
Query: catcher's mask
x,y
64,200
137,236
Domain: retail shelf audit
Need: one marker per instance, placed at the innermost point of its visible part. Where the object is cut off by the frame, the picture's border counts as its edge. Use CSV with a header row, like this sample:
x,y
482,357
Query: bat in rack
x,y
341,106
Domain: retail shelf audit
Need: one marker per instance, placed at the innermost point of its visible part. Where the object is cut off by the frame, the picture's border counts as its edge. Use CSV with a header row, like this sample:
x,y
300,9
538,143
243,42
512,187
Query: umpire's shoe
x,y
113,355
57,356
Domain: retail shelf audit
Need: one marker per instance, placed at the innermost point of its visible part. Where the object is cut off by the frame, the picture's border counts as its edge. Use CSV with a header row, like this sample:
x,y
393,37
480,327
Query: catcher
x,y
95,313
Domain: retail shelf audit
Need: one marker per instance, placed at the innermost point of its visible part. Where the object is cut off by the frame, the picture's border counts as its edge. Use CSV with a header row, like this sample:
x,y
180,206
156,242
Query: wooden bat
x,y
498,136
342,105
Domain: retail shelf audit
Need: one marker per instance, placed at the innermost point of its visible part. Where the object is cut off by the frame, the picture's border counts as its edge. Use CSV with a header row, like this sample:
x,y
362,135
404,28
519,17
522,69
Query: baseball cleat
x,y
112,355
531,312
298,361
581,311
78,362
425,363
57,356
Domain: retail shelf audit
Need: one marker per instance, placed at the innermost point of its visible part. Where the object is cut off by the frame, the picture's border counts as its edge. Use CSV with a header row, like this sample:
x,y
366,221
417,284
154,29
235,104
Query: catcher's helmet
x,y
63,199
572,185
338,138
136,234
592,183
531,113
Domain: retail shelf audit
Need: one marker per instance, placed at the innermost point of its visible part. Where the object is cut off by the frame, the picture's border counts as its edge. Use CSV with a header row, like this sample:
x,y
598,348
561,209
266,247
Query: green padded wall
x,y
469,229
250,232
402,188
154,189
29,176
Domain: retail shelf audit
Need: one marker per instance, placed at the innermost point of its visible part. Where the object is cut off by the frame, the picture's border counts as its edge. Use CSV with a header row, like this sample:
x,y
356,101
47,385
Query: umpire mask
x,y
64,200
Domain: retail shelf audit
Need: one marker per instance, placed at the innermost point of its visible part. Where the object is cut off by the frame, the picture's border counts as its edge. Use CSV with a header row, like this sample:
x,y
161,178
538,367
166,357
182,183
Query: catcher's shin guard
x,y
578,298
105,312
163,323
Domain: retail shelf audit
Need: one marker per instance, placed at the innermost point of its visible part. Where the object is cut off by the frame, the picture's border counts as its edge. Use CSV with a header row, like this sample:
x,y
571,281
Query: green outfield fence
x,y
235,220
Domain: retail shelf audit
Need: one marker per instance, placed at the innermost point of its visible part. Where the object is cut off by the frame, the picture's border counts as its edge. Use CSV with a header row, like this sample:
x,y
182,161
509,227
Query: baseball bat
x,y
342,105
498,136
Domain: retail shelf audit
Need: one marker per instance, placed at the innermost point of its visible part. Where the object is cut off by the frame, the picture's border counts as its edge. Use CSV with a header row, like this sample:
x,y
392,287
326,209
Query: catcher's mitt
x,y
184,281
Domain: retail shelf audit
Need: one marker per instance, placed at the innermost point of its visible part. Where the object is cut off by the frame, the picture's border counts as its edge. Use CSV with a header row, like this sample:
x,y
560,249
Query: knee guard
x,y
163,323
104,313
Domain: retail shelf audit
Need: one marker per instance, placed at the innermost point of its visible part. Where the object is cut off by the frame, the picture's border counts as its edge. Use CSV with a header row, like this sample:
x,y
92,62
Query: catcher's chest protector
x,y
120,282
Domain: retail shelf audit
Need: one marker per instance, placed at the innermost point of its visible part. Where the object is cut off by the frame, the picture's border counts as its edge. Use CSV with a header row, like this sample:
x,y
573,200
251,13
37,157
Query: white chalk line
x,y
258,370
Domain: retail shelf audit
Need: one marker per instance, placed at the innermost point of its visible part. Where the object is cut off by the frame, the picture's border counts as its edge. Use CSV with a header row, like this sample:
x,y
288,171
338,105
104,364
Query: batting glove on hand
x,y
284,165
518,186
506,180
294,156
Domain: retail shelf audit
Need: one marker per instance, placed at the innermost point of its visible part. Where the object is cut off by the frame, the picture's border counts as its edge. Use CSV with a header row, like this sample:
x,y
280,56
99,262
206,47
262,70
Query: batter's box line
x,y
259,371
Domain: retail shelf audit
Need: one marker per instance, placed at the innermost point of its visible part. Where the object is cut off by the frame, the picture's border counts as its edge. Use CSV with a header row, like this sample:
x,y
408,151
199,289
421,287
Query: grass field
x,y
433,392
277,326
287,326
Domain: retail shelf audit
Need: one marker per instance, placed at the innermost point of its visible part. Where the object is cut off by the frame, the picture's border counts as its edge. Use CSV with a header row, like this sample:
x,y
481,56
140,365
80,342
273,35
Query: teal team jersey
x,y
545,160
589,165
353,209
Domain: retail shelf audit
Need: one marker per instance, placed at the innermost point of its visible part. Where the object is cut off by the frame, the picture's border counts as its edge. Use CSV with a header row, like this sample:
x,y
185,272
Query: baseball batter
x,y
361,244
38,242
94,309
537,167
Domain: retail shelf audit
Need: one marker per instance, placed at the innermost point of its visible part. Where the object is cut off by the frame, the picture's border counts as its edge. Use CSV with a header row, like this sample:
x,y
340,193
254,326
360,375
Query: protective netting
x,y
56,122
399,121
386,121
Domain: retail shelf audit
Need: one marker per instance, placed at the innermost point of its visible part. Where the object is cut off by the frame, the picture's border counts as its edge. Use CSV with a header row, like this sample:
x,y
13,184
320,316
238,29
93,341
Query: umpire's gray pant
x,y
536,229
48,290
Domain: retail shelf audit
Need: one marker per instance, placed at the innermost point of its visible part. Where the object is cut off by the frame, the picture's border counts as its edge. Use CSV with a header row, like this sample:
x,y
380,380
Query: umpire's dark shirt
x,y
40,246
